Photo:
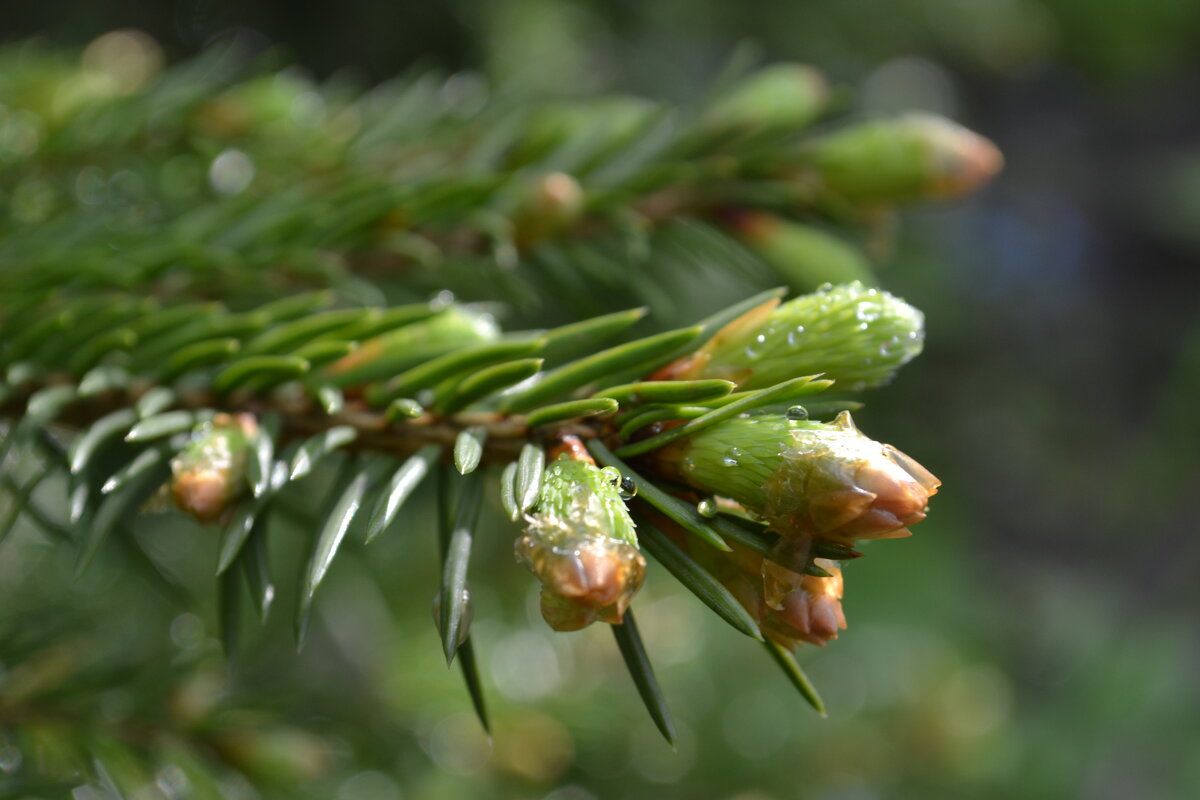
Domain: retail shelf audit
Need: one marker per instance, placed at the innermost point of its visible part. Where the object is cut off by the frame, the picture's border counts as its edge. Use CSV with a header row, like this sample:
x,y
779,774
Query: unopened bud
x,y
785,96
806,478
209,473
789,606
912,157
581,545
551,203
811,611
857,336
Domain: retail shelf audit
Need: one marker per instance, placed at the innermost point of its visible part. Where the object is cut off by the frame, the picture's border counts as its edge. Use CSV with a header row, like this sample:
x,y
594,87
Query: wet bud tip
x,y
207,475
580,543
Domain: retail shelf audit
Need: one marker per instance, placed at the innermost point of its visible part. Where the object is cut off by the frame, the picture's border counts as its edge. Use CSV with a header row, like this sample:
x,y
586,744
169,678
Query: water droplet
x,y
797,413
628,488
868,312
825,288
707,508
862,326
729,461
754,349
231,172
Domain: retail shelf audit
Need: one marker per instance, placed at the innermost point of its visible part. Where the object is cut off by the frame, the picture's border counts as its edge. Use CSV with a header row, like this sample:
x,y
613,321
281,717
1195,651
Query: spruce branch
x,y
212,291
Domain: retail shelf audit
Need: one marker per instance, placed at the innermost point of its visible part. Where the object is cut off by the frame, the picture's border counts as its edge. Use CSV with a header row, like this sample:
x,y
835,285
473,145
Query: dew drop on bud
x,y
868,312
707,508
797,413
628,488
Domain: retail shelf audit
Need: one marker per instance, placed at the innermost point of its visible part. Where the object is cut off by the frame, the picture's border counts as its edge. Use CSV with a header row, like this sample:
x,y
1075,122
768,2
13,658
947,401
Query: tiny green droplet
x,y
628,488
797,413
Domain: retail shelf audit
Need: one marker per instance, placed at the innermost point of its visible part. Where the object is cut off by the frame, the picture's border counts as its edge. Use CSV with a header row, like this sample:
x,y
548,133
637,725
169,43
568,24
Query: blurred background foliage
x,y
1037,637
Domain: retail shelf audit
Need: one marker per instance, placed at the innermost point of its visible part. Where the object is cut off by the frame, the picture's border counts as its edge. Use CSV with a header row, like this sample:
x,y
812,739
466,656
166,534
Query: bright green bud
x,y
779,96
208,474
398,350
580,543
805,478
912,157
854,335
